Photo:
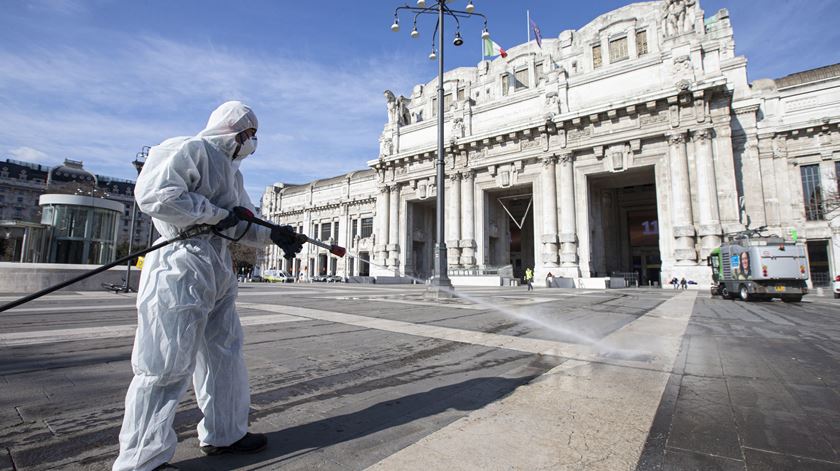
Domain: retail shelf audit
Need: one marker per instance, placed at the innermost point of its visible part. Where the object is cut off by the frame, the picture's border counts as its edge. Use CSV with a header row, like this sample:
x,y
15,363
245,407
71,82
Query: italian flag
x,y
493,49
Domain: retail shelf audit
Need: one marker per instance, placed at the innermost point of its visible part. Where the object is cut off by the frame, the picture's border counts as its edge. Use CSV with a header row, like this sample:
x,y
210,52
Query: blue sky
x,y
96,80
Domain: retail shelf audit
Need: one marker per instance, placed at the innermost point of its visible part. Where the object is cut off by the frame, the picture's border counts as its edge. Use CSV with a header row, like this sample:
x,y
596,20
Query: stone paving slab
x,y
581,415
355,382
755,388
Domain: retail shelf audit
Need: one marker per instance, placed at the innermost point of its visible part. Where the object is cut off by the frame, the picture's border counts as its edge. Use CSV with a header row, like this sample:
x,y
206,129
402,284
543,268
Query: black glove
x,y
231,220
287,239
235,215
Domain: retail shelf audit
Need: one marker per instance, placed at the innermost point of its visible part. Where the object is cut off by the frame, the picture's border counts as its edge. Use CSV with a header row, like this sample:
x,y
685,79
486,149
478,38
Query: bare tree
x,y
830,205
244,258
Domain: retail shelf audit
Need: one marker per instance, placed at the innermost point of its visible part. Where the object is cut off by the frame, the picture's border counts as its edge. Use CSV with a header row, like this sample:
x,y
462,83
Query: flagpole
x,y
528,28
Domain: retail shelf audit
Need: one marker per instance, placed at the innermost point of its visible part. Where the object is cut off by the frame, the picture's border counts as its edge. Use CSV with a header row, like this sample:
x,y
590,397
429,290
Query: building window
x,y
618,50
447,102
461,94
812,192
505,84
539,74
596,57
836,177
354,228
434,106
367,227
326,231
641,43
520,79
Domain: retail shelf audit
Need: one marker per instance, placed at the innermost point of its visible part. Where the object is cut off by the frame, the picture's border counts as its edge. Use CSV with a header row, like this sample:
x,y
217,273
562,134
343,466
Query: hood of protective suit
x,y
225,123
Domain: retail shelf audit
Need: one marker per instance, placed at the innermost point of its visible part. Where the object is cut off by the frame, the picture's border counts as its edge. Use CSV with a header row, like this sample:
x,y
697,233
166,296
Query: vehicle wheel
x,y
836,295
725,292
745,294
793,299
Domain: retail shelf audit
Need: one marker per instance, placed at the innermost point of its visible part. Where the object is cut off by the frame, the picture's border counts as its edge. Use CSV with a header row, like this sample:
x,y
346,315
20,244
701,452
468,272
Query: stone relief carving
x,y
675,138
678,17
530,143
552,104
683,72
386,147
657,118
457,128
504,178
703,134
779,147
549,160
578,134
462,159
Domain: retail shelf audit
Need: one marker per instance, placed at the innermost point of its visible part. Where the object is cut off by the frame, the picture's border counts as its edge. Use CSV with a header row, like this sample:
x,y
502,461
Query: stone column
x,y
393,227
382,216
453,221
548,177
681,215
568,222
468,244
728,204
706,192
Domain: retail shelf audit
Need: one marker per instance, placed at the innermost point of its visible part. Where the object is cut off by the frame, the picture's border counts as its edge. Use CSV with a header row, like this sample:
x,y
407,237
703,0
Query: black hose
x,y
185,235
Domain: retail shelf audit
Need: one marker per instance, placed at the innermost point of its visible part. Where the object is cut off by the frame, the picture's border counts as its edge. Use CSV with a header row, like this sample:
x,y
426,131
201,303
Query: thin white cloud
x,y
318,120
28,154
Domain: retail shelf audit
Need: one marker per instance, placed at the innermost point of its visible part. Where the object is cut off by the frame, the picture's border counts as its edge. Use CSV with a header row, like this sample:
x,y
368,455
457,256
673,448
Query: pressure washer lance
x,y
242,213
246,215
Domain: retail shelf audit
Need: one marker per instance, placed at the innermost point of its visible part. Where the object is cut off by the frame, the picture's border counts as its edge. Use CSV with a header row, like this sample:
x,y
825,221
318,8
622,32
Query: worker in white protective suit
x,y
187,320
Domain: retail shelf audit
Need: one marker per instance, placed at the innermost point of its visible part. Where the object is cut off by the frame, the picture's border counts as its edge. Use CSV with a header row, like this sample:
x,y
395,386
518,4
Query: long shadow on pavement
x,y
295,444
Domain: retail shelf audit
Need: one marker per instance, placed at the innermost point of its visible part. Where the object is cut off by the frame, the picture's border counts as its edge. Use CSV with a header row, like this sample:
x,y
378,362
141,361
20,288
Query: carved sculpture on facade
x,y
386,146
552,104
683,72
404,113
457,128
391,103
398,112
779,146
679,17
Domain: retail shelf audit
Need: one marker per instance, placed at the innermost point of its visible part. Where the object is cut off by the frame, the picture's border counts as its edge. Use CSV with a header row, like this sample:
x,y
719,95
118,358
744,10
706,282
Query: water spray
x,y
598,345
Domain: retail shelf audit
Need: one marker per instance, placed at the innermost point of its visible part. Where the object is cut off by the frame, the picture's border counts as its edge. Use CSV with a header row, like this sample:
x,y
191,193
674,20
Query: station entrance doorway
x,y
509,229
625,226
422,226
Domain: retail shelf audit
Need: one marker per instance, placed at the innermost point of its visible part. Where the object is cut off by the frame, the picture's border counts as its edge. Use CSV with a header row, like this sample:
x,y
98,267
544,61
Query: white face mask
x,y
247,148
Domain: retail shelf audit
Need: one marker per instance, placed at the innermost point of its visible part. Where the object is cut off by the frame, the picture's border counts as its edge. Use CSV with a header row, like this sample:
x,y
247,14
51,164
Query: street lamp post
x,y
138,165
440,282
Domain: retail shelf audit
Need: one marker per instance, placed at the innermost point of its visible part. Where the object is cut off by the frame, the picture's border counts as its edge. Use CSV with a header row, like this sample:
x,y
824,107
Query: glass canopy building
x,y
81,229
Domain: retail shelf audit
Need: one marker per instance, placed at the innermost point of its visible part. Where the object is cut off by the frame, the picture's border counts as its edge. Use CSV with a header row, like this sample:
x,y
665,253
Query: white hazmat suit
x,y
187,320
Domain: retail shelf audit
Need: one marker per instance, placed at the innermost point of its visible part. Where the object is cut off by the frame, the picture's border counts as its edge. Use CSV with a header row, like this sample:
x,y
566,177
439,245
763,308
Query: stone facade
x,y
632,145
340,210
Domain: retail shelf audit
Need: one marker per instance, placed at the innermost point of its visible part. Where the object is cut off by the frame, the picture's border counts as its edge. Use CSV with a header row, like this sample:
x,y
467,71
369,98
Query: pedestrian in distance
x,y
187,322
549,280
675,282
529,278
683,283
